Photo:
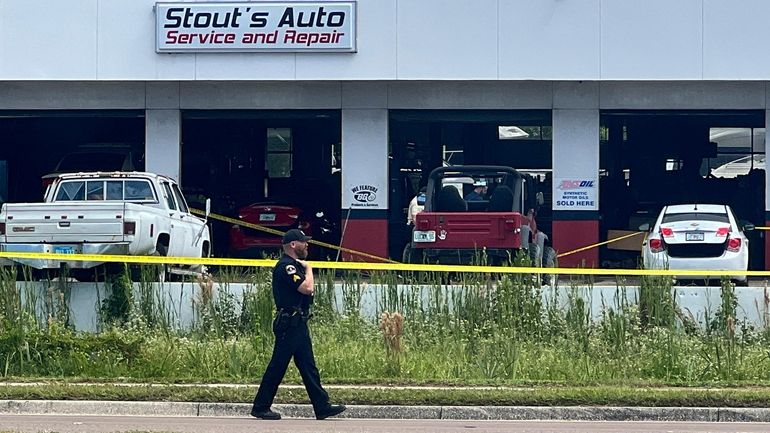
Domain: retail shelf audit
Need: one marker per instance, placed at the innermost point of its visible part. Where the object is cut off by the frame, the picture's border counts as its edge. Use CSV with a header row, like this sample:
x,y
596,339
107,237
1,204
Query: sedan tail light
x,y
656,245
667,232
723,231
734,244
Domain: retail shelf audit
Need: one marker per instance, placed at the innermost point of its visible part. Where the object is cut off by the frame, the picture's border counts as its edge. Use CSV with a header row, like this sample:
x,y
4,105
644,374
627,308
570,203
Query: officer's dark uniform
x,y
291,339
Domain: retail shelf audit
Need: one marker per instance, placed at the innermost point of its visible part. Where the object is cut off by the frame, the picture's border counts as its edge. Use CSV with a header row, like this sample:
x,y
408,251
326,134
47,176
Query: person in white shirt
x,y
415,206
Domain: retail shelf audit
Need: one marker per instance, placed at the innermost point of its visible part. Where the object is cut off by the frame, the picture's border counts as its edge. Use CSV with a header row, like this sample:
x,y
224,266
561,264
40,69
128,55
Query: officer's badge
x,y
295,277
291,270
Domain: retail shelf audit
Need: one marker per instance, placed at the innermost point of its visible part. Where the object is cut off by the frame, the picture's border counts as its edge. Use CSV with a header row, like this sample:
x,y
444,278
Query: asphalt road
x,y
103,424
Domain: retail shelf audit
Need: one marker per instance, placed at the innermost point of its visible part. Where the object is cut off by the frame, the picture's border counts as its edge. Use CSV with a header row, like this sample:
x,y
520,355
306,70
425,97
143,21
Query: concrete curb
x,y
574,413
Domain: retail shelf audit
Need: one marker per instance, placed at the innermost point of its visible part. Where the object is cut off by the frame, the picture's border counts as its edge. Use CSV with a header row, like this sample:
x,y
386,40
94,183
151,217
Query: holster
x,y
289,319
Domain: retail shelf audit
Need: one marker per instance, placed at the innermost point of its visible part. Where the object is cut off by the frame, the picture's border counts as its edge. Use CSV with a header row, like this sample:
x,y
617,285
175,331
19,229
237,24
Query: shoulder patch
x,y
295,277
291,270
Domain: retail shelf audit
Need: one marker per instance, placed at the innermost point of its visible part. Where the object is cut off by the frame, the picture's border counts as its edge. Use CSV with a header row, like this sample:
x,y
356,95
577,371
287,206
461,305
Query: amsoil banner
x,y
575,194
256,26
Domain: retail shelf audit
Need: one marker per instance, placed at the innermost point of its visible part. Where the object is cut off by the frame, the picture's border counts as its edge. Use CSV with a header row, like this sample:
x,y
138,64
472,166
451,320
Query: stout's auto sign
x,y
256,26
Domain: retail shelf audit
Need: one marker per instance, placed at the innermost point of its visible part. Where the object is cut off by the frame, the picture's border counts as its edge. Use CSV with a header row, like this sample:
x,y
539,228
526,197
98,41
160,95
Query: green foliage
x,y
457,328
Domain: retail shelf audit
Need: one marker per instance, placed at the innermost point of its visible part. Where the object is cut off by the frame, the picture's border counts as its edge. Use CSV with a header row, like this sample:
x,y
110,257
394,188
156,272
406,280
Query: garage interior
x,y
650,159
241,157
421,140
34,143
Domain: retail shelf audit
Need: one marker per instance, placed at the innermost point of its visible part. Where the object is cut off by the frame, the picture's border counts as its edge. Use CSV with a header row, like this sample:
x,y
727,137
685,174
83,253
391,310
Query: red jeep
x,y
473,210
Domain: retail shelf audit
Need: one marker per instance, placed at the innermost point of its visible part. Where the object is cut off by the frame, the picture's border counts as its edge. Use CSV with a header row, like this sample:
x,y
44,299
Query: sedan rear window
x,y
695,216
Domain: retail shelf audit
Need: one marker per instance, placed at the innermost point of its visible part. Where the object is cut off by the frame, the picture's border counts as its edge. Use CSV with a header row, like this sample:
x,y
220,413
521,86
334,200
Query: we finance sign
x,y
256,26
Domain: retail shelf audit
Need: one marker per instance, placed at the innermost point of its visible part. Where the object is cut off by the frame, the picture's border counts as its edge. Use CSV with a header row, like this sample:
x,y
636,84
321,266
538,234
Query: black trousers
x,y
292,339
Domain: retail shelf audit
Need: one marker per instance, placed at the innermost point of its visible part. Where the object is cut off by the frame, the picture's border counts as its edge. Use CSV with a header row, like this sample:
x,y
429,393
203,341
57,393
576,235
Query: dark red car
x,y
253,243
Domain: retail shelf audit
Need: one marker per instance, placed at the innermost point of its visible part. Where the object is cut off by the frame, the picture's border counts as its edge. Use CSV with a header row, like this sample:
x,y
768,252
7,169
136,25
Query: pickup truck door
x,y
178,229
193,226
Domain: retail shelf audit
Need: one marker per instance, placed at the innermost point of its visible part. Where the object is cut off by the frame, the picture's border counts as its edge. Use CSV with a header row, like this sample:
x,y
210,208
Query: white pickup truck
x,y
132,213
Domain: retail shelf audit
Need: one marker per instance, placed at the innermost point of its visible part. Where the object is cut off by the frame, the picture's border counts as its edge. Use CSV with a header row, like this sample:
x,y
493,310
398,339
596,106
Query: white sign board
x,y
575,194
365,196
256,26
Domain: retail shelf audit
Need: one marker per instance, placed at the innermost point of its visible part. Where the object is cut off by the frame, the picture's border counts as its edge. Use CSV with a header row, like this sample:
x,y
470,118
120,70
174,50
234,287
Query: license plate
x,y
64,250
693,236
424,236
267,217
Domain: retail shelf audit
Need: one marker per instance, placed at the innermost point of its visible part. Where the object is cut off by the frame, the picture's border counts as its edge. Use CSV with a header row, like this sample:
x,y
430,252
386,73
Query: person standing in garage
x,y
293,289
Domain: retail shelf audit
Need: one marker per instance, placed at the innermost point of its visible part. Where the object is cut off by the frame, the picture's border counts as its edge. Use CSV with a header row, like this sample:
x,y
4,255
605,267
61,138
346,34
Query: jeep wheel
x,y
410,255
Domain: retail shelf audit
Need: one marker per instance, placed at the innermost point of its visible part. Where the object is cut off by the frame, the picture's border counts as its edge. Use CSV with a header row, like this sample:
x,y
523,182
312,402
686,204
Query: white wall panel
x,y
42,39
126,45
163,155
365,156
576,155
376,56
245,66
446,39
651,39
411,40
735,37
549,39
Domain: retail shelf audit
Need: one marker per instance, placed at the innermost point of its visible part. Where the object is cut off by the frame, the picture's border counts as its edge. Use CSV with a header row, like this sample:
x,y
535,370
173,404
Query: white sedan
x,y
695,237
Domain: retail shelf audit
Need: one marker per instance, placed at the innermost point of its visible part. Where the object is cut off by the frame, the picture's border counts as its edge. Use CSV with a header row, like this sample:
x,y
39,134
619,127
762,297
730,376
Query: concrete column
x,y
576,184
365,181
163,133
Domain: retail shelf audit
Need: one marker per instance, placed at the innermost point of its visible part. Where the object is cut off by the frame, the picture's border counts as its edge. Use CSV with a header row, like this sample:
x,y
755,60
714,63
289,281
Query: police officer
x,y
293,290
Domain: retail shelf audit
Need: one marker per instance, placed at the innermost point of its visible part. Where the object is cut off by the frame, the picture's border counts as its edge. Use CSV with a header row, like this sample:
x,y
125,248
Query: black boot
x,y
331,410
265,414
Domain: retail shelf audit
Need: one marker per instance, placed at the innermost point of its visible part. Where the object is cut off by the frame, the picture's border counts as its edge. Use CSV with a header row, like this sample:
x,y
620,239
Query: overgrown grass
x,y
428,328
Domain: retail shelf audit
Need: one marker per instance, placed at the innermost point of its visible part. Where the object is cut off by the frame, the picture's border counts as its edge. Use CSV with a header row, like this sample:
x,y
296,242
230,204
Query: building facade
x,y
624,93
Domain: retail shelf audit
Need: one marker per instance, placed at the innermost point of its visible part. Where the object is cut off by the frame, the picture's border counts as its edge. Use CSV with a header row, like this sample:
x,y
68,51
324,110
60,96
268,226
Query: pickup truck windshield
x,y
94,190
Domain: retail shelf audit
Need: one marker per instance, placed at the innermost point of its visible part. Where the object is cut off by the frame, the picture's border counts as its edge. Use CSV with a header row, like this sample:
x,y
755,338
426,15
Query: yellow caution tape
x,y
599,244
373,266
280,233
761,228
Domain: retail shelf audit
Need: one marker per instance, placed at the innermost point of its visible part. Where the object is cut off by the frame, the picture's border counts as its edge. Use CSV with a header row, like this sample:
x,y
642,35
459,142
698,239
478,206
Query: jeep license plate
x,y
64,250
424,236
267,217
694,236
